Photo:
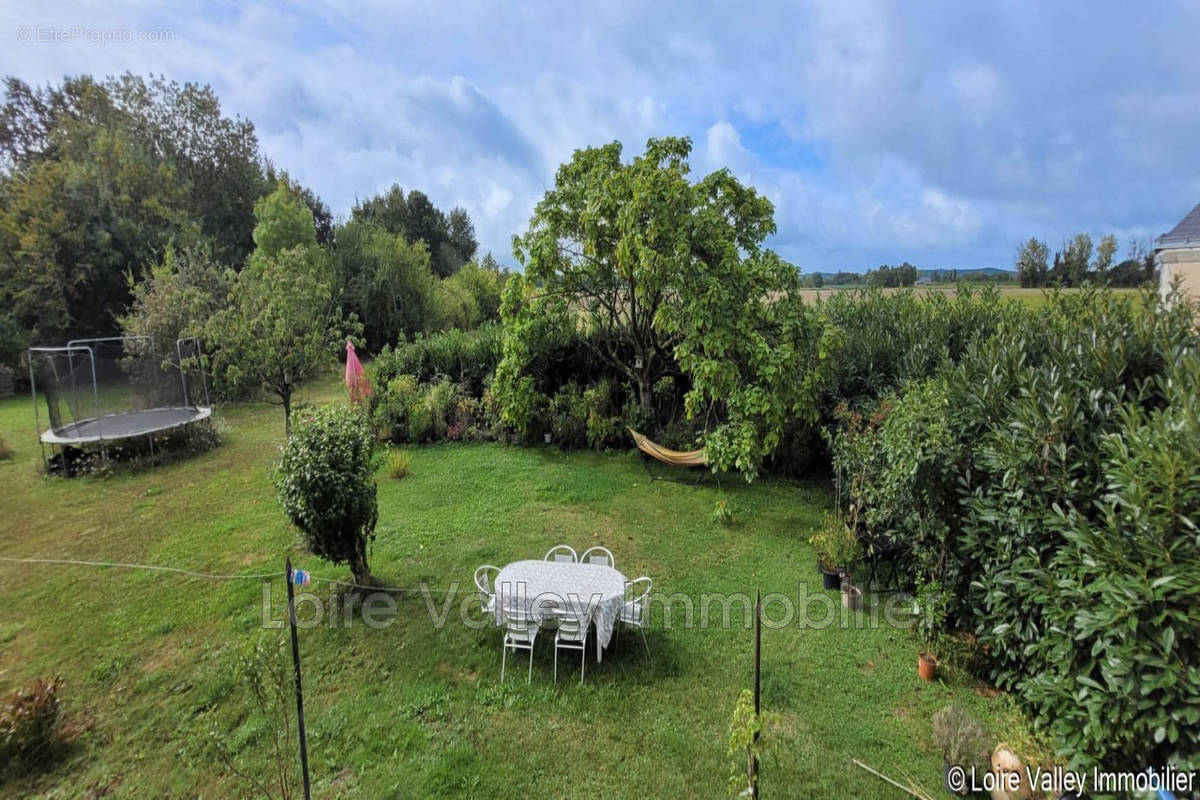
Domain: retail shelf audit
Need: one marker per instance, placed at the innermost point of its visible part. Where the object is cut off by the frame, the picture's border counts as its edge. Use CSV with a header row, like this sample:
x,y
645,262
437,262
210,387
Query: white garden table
x,y
537,586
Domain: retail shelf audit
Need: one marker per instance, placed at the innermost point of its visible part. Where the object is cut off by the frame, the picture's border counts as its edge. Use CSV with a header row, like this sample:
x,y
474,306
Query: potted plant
x,y
825,542
846,554
930,610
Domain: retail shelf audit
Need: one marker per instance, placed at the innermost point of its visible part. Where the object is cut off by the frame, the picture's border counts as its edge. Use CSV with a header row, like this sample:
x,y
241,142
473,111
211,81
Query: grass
x,y
414,711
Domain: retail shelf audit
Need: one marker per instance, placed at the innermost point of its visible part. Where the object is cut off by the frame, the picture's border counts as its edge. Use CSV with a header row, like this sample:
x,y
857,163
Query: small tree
x,y
282,221
283,325
326,485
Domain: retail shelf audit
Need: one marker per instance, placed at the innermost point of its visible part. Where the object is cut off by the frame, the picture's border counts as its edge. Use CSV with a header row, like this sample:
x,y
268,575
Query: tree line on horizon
x,y
1078,263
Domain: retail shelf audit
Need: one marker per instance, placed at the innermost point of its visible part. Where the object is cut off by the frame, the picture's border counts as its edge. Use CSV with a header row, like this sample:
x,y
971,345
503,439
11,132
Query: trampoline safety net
x,y
96,390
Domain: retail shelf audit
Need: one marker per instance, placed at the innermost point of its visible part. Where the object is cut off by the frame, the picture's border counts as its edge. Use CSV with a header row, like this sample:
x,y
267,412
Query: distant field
x,y
1035,297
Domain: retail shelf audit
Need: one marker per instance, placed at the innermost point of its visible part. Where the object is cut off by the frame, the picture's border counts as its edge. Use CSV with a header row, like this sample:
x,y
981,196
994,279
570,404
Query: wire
x,y
388,589
191,573
153,567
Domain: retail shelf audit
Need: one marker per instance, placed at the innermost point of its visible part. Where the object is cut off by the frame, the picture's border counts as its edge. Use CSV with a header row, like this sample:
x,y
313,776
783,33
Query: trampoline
x,y
113,391
125,425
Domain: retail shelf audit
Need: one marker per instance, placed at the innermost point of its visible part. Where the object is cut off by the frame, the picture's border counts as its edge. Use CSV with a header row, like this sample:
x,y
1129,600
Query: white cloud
x,y
943,134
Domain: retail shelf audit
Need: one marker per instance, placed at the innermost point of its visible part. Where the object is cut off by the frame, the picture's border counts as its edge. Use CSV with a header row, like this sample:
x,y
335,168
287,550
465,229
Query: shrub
x,y
325,483
835,544
1121,683
464,421
1041,479
31,724
467,358
420,422
397,464
256,680
441,398
900,464
569,417
603,405
962,740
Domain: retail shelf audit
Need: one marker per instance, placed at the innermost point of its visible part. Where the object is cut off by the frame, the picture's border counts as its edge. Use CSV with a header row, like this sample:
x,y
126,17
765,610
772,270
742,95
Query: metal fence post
x,y
296,675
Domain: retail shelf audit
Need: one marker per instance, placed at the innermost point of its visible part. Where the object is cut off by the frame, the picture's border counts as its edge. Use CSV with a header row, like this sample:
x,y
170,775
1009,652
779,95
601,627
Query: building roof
x,y
1185,234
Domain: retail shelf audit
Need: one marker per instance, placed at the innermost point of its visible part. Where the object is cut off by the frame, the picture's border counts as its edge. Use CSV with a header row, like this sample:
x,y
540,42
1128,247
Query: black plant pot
x,y
831,580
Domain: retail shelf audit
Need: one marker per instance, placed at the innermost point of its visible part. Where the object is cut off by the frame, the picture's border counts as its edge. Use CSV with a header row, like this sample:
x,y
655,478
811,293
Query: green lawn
x,y
412,711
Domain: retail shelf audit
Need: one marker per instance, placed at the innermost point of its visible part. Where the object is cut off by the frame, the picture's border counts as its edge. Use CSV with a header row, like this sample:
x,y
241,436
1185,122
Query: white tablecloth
x,y
536,586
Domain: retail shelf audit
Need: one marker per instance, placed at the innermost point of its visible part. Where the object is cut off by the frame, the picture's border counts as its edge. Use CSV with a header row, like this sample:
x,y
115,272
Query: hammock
x,y
673,458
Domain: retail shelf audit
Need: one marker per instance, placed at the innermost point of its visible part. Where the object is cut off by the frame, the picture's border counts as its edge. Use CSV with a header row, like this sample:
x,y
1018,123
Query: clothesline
x,y
205,575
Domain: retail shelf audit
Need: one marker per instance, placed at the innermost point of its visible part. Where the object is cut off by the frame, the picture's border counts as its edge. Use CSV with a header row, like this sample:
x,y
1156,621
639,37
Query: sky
x,y
941,133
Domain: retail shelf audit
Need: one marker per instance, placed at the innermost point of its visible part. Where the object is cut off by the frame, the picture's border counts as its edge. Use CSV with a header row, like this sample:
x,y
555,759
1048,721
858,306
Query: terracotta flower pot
x,y
927,666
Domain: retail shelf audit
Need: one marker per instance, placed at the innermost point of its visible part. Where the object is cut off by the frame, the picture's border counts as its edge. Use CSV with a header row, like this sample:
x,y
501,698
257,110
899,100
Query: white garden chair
x,y
520,629
633,612
485,582
561,552
572,635
598,555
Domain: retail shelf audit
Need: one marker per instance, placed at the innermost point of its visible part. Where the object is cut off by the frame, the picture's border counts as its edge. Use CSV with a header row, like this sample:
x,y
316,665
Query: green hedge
x,y
1049,480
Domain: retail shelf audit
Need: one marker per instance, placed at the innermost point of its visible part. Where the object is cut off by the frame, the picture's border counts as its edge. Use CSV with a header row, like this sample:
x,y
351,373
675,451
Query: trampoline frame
x,y
84,347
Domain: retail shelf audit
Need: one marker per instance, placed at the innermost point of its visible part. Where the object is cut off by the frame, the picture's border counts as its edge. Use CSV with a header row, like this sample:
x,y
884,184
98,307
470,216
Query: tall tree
x,y
665,275
461,233
387,281
388,210
1032,269
282,220
216,157
1077,258
96,178
1105,252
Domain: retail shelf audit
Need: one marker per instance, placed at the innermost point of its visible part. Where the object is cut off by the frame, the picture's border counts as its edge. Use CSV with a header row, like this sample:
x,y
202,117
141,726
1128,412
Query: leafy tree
x,y
664,275
461,234
13,341
450,239
817,280
885,276
1105,252
177,298
73,228
388,210
325,480
1032,269
214,158
282,221
1077,257
1137,269
282,326
98,177
387,282
482,281
322,217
